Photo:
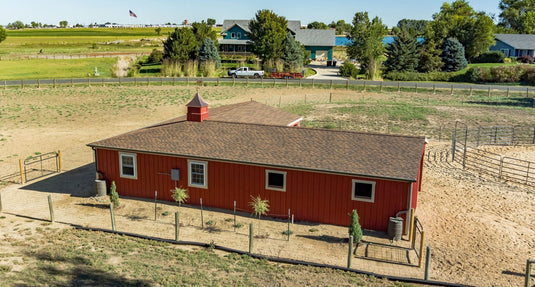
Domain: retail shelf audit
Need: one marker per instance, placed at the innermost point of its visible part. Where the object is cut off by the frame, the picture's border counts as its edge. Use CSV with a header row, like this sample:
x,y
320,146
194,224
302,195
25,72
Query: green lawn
x,y
490,65
47,69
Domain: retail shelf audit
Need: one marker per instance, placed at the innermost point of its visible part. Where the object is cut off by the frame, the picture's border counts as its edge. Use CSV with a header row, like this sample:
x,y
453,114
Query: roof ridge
x,y
321,129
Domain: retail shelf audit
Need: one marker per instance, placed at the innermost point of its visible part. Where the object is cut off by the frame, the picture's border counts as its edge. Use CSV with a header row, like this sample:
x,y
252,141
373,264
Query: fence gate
x,y
418,240
37,166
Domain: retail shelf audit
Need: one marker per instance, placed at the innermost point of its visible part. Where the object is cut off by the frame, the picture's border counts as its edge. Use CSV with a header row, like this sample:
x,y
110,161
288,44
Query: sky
x,y
163,11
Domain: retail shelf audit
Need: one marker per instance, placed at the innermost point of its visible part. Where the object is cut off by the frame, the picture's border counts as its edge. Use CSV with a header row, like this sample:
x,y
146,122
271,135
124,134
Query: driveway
x,y
323,72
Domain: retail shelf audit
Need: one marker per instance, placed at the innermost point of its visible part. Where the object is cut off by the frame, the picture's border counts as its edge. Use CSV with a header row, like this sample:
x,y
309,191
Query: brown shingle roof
x,y
355,153
197,101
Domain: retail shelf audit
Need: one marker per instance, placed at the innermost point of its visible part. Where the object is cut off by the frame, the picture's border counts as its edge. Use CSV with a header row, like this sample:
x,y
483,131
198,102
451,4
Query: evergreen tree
x,y
209,52
181,45
402,54
453,55
293,54
114,196
354,227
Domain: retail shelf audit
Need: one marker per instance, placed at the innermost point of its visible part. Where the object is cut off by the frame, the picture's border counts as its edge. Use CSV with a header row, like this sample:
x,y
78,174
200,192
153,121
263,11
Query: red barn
x,y
233,152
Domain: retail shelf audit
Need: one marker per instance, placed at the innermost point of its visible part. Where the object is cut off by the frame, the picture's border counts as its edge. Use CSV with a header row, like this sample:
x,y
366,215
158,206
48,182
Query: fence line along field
x,y
481,231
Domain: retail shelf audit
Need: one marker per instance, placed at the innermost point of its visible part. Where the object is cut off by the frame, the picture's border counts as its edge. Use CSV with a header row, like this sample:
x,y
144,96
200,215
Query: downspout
x,y
407,212
95,158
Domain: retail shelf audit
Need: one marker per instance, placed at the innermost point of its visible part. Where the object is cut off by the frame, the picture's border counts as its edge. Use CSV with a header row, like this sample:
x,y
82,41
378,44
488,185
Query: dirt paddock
x,y
481,232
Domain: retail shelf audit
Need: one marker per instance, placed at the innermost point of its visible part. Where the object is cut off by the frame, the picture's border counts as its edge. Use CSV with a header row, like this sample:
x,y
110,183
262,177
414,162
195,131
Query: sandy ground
x,y
481,232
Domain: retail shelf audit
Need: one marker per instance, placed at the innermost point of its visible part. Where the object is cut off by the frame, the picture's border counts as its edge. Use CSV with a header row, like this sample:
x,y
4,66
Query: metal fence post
x,y
51,208
528,272
112,217
349,255
250,238
427,262
177,226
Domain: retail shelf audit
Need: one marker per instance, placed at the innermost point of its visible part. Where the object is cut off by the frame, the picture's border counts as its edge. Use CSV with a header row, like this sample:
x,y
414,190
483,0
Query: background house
x,y
515,45
320,175
320,43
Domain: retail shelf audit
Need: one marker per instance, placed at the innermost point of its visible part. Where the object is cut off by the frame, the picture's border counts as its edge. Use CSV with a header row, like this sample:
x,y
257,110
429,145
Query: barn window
x,y
275,180
197,174
239,35
363,190
232,35
127,162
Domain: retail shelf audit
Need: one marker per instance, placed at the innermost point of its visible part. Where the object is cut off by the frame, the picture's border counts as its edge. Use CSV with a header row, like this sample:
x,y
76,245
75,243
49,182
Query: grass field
x,y
42,68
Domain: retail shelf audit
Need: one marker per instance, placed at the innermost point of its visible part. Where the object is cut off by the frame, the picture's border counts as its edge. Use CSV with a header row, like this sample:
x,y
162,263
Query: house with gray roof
x,y
515,45
320,43
226,155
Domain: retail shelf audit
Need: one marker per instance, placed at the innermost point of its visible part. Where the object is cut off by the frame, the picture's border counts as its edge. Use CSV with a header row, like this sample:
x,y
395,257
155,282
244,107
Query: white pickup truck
x,y
245,72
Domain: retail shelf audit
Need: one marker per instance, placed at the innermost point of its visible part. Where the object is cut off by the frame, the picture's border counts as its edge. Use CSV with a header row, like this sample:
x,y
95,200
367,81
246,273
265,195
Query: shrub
x,y
506,74
490,57
155,57
348,70
528,76
473,75
260,206
354,227
526,59
415,76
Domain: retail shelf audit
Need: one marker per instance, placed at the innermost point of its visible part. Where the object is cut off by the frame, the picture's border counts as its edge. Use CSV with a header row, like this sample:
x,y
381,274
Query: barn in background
x,y
231,153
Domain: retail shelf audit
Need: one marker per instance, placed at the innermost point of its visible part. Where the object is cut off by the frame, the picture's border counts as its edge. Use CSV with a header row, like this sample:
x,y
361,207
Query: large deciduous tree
x,y
402,54
181,45
417,27
317,25
267,33
367,46
518,16
475,30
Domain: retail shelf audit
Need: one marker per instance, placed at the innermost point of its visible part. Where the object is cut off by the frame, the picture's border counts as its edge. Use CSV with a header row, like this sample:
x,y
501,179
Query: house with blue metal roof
x,y
515,45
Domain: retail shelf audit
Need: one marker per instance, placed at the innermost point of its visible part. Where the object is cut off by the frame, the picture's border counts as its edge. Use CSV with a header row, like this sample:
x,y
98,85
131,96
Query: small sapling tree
x,y
114,196
354,227
180,195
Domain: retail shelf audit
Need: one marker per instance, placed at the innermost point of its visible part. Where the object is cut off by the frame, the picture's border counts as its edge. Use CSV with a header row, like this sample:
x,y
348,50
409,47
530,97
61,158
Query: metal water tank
x,y
100,187
395,228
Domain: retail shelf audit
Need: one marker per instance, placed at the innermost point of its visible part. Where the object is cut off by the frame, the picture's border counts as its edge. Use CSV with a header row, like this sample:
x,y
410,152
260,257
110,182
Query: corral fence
x,y
471,92
40,165
465,150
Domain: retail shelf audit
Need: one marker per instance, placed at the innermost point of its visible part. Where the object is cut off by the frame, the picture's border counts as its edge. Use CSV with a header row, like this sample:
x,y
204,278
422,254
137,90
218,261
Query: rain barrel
x,y
100,187
395,228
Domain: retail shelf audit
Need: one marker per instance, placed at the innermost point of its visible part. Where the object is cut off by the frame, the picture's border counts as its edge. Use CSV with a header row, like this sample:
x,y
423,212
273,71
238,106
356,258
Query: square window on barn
x,y
363,190
127,164
275,180
197,174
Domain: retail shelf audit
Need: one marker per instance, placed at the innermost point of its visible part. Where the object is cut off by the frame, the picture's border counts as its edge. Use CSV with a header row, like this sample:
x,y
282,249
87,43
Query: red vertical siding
x,y
311,196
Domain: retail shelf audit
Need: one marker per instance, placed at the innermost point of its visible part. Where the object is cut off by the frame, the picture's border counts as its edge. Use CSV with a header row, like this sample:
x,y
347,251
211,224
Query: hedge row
x,y
501,74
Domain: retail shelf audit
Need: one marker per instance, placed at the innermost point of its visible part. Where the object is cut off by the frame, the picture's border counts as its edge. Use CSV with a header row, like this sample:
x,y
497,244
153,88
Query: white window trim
x,y
134,161
205,164
232,35
268,171
359,198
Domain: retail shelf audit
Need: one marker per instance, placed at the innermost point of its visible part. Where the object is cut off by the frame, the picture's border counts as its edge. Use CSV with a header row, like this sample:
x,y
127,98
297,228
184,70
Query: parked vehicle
x,y
245,72
286,75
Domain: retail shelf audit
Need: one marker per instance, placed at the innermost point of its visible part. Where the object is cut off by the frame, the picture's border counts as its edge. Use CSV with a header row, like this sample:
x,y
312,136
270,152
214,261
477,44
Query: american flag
x,y
132,14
